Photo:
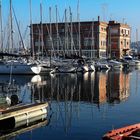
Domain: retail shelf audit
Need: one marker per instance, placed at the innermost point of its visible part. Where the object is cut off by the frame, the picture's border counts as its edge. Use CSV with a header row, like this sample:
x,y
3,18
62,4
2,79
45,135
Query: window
x,y
128,32
124,42
122,31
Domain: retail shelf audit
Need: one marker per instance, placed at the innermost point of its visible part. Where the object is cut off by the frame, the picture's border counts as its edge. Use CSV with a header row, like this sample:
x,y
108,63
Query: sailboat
x,y
16,66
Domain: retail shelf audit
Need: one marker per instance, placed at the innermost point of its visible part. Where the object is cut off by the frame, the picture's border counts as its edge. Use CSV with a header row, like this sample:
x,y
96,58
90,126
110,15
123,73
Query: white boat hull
x,y
19,69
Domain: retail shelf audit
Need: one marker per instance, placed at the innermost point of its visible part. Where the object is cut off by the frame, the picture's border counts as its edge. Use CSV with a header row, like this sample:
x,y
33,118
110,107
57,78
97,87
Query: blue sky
x,y
119,10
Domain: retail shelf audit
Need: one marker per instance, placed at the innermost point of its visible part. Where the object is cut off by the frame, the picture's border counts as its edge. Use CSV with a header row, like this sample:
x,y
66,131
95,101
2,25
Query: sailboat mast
x,y
42,40
92,48
79,35
50,17
66,33
1,30
11,27
57,29
137,38
31,30
109,42
71,31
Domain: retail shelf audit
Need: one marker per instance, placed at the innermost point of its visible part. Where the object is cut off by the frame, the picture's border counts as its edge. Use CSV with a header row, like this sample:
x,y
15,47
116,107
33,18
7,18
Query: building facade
x,y
118,39
94,39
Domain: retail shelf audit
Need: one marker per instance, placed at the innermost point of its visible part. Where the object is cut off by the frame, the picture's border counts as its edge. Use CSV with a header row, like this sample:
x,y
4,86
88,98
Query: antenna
x,y
123,20
104,11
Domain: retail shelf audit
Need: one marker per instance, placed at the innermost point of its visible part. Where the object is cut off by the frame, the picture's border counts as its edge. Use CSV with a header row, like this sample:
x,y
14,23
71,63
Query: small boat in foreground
x,y
131,132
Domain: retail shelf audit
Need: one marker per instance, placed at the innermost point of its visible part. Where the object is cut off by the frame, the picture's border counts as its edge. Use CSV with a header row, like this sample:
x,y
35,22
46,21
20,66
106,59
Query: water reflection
x,y
30,128
99,87
118,86
20,89
95,87
69,93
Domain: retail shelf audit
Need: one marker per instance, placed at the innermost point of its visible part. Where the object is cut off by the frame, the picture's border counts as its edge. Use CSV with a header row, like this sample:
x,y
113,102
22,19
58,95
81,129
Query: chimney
x,y
98,18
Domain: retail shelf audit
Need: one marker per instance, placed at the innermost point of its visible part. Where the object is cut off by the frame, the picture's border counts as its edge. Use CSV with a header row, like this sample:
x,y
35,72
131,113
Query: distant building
x,y
91,38
118,39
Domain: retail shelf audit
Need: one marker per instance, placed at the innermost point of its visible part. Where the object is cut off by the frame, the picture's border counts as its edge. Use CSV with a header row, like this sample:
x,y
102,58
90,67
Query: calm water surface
x,y
82,106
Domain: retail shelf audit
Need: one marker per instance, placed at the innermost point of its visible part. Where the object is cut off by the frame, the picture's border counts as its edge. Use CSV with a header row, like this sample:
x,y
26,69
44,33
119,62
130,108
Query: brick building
x,y
92,38
118,39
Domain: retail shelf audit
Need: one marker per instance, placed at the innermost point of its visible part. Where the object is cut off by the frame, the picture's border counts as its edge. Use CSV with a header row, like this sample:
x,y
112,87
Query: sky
x,y
127,11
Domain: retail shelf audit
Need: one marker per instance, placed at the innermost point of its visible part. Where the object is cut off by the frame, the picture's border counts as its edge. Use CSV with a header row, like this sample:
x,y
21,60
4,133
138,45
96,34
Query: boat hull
x,y
19,69
122,133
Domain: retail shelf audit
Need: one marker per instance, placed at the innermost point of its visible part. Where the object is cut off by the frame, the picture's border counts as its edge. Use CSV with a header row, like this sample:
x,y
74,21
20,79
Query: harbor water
x,y
81,105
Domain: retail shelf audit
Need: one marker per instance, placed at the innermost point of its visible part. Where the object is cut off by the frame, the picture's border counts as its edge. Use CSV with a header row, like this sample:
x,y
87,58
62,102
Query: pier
x,y
22,115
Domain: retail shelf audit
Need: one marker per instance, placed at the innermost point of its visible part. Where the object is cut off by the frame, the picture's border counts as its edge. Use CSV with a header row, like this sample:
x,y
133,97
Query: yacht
x,y
102,65
114,64
18,67
130,61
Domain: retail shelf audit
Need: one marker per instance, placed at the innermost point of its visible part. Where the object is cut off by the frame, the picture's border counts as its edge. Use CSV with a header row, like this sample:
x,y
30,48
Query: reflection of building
x,y
97,88
118,86
100,87
97,38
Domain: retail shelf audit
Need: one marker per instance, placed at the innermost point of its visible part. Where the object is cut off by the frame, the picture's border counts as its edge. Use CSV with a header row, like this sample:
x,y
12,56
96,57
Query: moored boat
x,y
19,67
64,69
114,64
131,132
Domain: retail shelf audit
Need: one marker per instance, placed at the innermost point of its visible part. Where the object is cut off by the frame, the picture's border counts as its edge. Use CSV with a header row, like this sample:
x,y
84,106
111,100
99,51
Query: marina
x,y
68,71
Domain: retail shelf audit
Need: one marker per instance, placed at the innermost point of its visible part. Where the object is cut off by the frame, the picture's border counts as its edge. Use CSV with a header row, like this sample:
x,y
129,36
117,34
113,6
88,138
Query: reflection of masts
x,y
79,99
92,85
136,83
65,91
51,89
32,93
92,79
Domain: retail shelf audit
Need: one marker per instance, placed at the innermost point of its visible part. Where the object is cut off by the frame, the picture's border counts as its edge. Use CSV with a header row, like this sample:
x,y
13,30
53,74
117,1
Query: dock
x,y
22,115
